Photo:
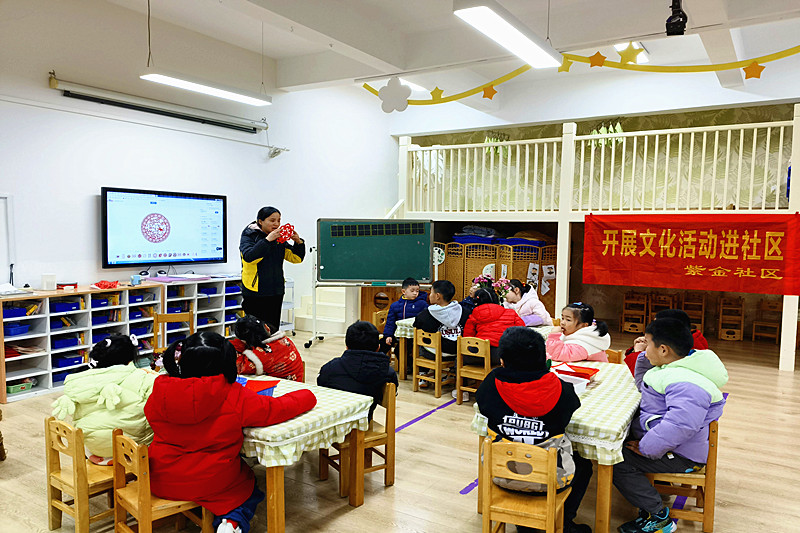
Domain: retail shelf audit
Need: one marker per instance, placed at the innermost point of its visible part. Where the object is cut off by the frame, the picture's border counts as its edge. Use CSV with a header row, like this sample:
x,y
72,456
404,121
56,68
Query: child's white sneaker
x,y
464,395
227,527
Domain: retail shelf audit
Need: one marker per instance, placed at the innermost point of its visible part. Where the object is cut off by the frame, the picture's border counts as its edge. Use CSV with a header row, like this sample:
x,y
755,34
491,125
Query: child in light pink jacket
x,y
580,338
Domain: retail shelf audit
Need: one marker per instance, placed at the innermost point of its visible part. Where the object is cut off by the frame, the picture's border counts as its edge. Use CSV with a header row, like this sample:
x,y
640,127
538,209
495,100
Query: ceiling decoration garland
x,y
393,99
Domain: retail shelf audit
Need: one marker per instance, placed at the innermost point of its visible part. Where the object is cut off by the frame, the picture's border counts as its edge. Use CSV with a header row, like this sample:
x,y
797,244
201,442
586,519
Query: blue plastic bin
x,y
233,289
63,307
230,317
135,298
172,293
99,319
203,320
15,328
139,331
99,302
56,324
59,377
173,325
14,312
134,314
65,342
175,337
231,302
67,360
97,337
174,309
207,290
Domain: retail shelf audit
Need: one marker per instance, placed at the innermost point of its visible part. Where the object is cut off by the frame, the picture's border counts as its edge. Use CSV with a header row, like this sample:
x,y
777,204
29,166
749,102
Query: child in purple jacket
x,y
680,397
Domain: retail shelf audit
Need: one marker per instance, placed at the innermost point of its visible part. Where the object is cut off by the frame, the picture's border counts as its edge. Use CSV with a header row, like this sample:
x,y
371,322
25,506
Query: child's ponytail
x,y
517,284
602,328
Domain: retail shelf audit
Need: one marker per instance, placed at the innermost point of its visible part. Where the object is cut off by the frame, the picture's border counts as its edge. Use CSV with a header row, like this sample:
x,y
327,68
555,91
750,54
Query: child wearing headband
x,y
111,394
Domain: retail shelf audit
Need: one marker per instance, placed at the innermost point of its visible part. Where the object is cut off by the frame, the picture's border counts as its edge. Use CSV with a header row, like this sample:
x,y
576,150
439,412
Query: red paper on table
x,y
287,230
258,385
736,253
584,372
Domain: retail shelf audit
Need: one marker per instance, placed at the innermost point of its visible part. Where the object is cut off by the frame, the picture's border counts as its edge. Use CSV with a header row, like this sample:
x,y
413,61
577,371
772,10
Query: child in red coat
x,y
260,352
489,320
197,413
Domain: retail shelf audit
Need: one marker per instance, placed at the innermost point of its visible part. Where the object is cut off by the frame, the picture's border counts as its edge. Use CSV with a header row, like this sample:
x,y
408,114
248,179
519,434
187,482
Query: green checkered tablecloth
x,y
405,328
598,428
331,420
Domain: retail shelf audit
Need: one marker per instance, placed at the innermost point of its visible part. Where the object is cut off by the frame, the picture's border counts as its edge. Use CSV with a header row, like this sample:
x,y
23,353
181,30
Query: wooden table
x,y
337,416
598,428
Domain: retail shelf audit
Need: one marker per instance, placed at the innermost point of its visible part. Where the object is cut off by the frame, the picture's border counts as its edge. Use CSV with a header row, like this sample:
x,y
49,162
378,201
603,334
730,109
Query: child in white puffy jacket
x,y
580,337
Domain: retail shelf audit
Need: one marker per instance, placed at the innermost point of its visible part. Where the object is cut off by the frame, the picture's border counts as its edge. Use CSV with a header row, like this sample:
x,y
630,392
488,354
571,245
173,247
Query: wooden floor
x,y
757,487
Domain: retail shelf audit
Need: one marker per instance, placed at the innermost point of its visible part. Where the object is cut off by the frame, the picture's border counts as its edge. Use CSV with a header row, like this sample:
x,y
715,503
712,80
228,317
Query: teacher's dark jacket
x,y
262,261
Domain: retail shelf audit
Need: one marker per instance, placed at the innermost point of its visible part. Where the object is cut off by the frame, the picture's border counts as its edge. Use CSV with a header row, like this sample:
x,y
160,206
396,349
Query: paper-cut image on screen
x,y
157,227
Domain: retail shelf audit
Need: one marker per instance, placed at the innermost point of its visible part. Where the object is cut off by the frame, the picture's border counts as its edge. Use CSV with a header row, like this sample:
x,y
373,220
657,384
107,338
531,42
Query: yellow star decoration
x,y
629,54
753,70
597,60
436,94
565,65
489,92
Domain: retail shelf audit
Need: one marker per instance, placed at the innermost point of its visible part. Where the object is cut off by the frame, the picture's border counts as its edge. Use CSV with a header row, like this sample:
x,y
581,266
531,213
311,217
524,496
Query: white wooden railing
x,y
715,168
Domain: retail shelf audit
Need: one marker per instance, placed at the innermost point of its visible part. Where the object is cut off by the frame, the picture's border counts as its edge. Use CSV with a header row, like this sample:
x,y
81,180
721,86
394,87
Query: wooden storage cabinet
x,y
55,337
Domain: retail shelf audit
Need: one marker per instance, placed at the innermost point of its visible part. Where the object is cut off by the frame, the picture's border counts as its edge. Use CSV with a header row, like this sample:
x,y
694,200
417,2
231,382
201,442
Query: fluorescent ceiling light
x,y
204,88
492,20
642,57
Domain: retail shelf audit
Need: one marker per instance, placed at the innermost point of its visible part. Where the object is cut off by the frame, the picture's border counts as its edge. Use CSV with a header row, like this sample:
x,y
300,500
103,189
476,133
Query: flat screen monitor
x,y
144,228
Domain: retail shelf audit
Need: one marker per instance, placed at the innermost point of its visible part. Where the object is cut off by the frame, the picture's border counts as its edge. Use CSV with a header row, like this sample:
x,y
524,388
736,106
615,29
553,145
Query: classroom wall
x,y
56,153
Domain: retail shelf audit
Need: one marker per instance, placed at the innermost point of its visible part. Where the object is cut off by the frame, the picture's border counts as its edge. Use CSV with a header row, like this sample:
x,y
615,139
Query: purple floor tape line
x,y
420,417
469,488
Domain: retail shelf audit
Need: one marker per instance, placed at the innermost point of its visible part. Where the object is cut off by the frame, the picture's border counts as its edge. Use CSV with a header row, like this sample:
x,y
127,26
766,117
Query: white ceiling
x,y
328,42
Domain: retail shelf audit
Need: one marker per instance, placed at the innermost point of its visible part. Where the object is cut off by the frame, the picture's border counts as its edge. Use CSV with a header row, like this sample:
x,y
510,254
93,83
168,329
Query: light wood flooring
x,y
757,488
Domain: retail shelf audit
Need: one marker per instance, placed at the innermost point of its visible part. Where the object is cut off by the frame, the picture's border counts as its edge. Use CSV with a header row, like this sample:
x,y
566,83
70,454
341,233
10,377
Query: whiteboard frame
x,y
343,282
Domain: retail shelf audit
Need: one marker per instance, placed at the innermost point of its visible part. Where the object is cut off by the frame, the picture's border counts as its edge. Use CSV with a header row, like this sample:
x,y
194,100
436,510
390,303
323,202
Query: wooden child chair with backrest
x,y
134,497
433,341
615,356
700,485
556,322
379,321
82,479
768,320
377,435
160,321
522,508
474,347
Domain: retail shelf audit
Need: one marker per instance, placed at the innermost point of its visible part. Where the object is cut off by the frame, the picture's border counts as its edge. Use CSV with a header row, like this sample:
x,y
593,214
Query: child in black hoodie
x,y
361,368
525,402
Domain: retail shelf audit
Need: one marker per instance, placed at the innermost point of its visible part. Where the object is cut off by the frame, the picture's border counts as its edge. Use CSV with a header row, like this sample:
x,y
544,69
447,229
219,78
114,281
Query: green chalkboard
x,y
374,250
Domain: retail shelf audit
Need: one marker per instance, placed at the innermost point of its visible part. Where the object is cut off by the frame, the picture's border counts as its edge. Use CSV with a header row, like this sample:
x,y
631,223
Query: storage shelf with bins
x,y
215,304
54,340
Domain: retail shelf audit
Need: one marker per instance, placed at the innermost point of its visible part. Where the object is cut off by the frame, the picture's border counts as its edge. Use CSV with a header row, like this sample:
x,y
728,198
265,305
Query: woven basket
x,y
454,267
548,257
522,255
505,256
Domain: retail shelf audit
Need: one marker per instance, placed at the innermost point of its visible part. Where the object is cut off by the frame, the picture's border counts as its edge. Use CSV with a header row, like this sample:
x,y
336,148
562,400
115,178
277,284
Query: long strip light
x,y
204,88
492,20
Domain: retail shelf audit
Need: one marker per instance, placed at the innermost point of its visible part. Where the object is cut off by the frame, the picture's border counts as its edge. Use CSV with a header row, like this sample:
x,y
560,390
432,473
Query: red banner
x,y
737,253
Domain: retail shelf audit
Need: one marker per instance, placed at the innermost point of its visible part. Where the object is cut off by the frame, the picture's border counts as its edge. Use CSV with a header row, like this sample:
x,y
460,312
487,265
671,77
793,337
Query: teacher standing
x,y
263,284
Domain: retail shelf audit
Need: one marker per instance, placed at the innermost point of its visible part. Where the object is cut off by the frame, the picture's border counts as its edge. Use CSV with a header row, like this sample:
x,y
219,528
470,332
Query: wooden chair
x,y
768,320
134,497
438,365
522,508
81,480
379,320
376,435
700,485
477,348
615,356
160,321
556,322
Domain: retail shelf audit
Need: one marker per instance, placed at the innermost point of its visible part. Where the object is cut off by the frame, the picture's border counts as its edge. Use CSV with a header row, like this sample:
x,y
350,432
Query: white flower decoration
x,y
394,96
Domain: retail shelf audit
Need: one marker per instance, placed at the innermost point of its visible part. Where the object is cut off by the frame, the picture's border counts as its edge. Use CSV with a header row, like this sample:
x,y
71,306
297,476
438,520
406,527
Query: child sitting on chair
x,y
260,352
580,337
410,304
680,398
525,402
197,413
523,299
488,321
111,394
634,356
361,368
444,315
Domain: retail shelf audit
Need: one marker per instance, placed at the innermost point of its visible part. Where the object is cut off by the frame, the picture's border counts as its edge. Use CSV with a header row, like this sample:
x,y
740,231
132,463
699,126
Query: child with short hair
x,y
262,352
444,315
525,402
523,299
411,303
197,413
111,394
680,397
489,320
580,337
361,368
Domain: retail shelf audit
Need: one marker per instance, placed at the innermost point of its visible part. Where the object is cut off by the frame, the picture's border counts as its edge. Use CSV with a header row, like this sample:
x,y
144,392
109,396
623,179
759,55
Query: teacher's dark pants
x,y
266,308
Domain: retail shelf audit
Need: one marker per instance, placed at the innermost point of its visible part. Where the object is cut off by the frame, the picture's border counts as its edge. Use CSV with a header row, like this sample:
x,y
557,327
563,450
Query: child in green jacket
x,y
111,394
